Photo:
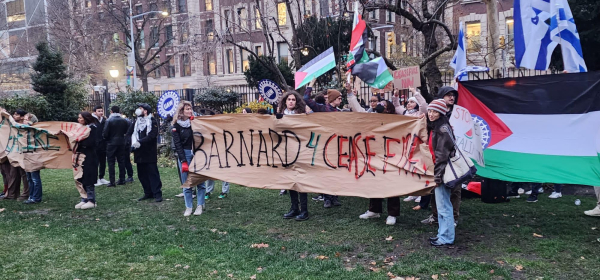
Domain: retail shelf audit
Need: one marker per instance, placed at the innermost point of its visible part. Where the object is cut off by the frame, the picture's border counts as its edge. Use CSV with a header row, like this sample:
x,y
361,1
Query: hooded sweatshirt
x,y
445,90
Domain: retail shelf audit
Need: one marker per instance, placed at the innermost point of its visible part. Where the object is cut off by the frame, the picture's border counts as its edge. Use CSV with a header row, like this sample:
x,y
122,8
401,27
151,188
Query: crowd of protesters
x,y
113,139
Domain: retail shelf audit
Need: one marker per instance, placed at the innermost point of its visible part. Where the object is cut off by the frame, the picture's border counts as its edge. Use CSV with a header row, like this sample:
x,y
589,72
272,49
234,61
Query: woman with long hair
x,y
292,104
183,139
87,148
441,146
415,107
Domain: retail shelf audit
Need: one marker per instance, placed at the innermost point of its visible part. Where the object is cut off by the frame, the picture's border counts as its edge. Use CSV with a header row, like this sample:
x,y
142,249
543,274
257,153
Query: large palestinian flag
x,y
538,129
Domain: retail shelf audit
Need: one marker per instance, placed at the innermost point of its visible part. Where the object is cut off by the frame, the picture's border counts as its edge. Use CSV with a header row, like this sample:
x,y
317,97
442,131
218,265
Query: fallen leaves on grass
x,y
186,267
215,272
260,245
373,263
46,225
582,258
391,275
97,219
253,277
321,257
435,277
537,235
500,262
592,228
303,256
177,265
222,232
492,271
411,278
259,269
230,275
2,210
374,269
213,229
337,254
389,238
151,257
519,267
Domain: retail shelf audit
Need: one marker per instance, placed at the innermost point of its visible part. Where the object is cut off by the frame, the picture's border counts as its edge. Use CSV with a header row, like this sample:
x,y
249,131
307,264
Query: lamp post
x,y
114,73
131,60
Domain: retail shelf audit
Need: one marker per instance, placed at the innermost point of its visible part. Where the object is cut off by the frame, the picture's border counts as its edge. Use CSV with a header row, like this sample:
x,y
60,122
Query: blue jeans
x,y
445,214
35,186
210,186
187,193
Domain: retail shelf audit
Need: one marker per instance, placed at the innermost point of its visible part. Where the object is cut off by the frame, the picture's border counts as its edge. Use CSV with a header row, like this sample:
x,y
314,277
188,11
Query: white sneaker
x,y
198,211
188,212
104,182
520,191
528,193
594,212
390,221
88,205
541,190
193,196
555,195
98,183
78,205
418,199
410,198
179,195
369,215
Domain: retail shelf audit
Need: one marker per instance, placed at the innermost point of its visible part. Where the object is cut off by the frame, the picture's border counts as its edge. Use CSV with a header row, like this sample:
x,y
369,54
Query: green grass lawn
x,y
126,239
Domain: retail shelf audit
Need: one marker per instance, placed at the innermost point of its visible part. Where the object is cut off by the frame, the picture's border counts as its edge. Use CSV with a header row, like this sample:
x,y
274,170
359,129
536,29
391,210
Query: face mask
x,y
138,112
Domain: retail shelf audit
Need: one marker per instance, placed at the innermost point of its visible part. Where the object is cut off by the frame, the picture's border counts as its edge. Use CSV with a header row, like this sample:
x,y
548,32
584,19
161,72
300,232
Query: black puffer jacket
x,y
183,138
115,130
443,147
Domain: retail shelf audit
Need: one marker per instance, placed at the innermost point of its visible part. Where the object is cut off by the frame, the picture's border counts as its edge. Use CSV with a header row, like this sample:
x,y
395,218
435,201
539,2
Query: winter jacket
x,y
443,147
443,91
114,130
87,147
147,152
355,106
183,138
314,105
100,141
400,110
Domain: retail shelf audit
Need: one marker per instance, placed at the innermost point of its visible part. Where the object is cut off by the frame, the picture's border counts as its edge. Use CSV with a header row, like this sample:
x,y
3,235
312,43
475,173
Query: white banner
x,y
467,133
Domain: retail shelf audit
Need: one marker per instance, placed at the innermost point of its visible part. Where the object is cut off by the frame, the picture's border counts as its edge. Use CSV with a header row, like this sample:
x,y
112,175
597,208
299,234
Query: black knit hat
x,y
146,107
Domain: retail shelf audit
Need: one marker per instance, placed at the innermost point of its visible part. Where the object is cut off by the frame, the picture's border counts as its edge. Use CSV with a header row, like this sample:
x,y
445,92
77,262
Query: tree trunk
x,y
493,36
432,72
144,77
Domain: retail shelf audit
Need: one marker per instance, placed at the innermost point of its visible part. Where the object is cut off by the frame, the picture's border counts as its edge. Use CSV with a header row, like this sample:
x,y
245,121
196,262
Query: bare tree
x,y
493,35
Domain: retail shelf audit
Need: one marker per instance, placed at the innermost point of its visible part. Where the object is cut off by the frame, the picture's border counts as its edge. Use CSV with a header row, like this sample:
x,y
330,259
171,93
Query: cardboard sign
x,y
407,77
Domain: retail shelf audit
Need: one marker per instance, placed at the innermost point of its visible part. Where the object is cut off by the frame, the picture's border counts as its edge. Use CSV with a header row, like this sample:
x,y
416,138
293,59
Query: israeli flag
x,y
533,40
564,32
459,61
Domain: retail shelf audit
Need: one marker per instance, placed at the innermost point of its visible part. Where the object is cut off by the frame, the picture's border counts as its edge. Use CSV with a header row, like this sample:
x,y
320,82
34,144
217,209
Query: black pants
x,y
303,201
150,179
91,193
116,152
127,157
425,200
101,163
330,197
393,206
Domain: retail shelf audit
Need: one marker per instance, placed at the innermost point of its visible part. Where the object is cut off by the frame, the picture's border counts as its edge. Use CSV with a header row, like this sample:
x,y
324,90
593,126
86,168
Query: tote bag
x,y
459,169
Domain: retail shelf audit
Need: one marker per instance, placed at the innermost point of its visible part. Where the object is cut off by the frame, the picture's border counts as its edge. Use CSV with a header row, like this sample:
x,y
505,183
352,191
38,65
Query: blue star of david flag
x,y
459,61
564,32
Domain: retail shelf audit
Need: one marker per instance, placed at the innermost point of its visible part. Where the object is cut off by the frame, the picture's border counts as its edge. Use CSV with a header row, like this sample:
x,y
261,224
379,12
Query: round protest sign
x,y
270,91
167,103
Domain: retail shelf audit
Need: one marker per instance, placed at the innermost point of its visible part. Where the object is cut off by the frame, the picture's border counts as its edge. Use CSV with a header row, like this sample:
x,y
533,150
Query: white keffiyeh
x,y
184,124
141,124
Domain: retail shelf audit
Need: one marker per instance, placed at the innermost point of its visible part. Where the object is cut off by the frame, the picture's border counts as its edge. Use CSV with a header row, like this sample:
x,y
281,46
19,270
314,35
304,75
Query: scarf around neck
x,y
141,124
184,124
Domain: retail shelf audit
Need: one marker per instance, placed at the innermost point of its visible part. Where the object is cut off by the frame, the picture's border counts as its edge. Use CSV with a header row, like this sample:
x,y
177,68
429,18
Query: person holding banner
x,y
87,148
144,139
183,139
441,146
292,105
16,175
33,178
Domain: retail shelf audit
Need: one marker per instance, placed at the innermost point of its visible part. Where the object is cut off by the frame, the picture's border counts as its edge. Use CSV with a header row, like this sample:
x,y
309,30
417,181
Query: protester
x,y
596,211
294,105
16,175
356,107
533,194
33,178
114,133
247,111
127,152
334,99
144,140
557,193
416,106
183,138
441,145
87,148
101,145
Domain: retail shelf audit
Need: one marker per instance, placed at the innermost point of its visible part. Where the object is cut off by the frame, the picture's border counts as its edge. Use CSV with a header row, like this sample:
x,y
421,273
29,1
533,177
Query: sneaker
x,y
222,195
520,191
98,183
555,195
390,221
198,211
418,200
410,198
78,205
541,190
327,204
193,196
282,192
369,215
1,195
103,181
31,201
207,196
179,195
188,212
318,198
513,195
120,182
336,202
429,221
532,198
594,212
88,205
129,180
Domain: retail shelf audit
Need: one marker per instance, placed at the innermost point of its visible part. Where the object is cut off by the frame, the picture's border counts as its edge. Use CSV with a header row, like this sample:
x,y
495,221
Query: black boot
x,y
327,204
129,180
120,182
145,197
303,216
335,201
292,214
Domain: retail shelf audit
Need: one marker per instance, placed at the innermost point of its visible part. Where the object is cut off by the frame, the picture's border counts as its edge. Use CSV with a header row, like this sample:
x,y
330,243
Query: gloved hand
x,y
135,145
279,116
185,167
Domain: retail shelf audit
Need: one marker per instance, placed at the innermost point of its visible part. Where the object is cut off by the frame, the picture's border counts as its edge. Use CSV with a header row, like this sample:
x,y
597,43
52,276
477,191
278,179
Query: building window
x,y
242,18
154,37
15,39
212,64
403,47
210,32
183,33
230,62
88,3
142,39
474,36
208,5
281,13
153,7
390,17
181,6
510,33
258,50
169,34
15,11
245,62
186,65
373,44
171,67
157,70
227,15
257,22
139,10
157,88
282,49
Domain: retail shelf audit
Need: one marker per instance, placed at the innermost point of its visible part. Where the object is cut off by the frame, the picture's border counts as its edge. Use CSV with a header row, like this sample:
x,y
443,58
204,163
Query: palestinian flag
x,y
542,129
315,68
375,73
357,52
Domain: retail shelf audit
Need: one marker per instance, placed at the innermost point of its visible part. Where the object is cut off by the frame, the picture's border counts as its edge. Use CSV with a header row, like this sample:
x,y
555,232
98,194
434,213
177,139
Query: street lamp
x,y
304,51
132,57
114,72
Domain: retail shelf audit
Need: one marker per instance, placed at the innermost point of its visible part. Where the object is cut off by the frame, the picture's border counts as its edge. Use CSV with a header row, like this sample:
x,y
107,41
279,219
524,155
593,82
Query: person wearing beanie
x,y
334,99
415,107
143,140
441,146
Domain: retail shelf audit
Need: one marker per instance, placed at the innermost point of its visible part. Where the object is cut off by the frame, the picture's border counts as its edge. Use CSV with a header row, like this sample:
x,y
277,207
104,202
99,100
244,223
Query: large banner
x,y
43,145
349,154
